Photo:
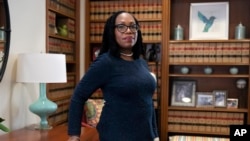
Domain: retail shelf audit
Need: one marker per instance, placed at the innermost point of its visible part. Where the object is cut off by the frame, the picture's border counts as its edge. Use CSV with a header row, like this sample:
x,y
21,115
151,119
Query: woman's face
x,y
126,31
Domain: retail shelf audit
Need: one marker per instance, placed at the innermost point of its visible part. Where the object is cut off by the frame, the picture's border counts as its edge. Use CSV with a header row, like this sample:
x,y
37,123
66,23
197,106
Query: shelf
x,y
210,75
209,41
209,109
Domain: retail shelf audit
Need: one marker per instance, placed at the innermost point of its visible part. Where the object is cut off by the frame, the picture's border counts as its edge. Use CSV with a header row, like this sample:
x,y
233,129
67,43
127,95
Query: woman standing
x,y
127,85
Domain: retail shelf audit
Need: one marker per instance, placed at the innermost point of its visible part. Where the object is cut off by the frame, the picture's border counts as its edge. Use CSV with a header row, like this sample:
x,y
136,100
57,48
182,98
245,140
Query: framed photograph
x,y
209,21
204,99
232,103
220,98
183,93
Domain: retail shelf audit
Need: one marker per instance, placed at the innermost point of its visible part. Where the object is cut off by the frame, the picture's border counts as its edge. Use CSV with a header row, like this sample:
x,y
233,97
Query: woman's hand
x,y
74,138
157,139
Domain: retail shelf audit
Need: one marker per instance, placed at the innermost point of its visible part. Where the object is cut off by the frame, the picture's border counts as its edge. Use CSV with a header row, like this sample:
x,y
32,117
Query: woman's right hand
x,y
74,138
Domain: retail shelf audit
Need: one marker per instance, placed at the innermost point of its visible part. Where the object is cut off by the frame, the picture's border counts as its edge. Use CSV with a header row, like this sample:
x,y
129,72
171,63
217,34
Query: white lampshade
x,y
41,68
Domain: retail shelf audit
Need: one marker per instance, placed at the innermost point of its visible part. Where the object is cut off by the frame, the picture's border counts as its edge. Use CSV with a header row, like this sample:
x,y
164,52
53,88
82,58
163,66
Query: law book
x,y
189,52
245,52
219,52
226,52
232,54
200,50
212,52
238,52
206,52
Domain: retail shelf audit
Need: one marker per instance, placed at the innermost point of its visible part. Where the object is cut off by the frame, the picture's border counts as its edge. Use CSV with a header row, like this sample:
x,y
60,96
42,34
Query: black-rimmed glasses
x,y
123,28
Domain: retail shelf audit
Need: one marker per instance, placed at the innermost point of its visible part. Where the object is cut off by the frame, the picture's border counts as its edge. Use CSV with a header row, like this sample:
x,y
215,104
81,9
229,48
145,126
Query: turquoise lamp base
x,y
43,107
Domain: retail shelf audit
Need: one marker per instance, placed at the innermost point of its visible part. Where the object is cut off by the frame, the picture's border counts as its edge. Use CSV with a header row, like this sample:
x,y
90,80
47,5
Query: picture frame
x,y
232,103
209,21
183,93
204,99
220,98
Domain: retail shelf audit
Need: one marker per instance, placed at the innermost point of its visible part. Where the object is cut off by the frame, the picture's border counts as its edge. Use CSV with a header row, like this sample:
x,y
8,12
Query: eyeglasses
x,y
123,28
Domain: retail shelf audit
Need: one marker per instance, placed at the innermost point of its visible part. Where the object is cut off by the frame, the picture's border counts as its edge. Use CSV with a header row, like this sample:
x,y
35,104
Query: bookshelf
x,y
158,20
62,18
150,17
220,55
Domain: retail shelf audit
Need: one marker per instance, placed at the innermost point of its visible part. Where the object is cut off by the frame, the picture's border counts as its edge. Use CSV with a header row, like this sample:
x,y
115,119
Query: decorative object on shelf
x,y
241,83
240,31
42,68
232,103
184,70
233,70
178,33
203,17
63,30
183,93
204,99
208,70
220,98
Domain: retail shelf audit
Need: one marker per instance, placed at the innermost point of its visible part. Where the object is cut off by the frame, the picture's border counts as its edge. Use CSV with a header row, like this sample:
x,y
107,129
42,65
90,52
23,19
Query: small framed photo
x,y
232,103
183,93
220,98
209,20
205,99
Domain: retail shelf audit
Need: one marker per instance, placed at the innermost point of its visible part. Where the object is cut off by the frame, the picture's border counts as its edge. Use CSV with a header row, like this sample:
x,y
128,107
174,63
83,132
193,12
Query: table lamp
x,y
42,68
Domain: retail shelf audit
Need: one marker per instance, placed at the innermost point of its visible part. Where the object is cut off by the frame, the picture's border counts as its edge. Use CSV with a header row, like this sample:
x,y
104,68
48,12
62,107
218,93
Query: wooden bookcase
x,y
59,13
150,17
170,13
220,55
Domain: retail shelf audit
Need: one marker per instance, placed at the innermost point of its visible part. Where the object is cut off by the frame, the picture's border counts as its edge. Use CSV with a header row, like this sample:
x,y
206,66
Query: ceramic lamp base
x,y
43,107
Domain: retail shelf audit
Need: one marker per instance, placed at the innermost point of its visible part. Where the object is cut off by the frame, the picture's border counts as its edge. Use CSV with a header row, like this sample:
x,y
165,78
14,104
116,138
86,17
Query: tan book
x,y
212,52
219,52
232,52
226,52
245,52
238,52
189,52
200,50
206,52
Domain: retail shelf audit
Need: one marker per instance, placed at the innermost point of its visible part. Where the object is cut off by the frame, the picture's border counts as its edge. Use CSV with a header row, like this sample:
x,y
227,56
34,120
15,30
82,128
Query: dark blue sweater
x,y
127,86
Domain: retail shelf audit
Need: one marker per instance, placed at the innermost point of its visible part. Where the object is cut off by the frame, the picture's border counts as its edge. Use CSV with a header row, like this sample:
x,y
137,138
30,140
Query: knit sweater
x,y
128,113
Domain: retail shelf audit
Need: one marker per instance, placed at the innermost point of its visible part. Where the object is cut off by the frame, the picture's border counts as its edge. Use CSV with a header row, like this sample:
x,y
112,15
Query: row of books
x,y
142,9
220,52
64,6
207,122
61,114
69,84
205,118
54,95
173,127
151,31
57,119
61,46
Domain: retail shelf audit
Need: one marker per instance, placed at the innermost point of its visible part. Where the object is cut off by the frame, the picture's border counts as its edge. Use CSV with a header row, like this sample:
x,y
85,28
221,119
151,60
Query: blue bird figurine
x,y
208,22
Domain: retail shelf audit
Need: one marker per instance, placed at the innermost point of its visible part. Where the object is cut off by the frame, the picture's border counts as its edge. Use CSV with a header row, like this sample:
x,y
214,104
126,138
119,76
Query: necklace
x,y
128,55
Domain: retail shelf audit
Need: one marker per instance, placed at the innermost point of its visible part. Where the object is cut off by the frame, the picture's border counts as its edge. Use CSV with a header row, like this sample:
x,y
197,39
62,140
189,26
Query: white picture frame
x,y
218,12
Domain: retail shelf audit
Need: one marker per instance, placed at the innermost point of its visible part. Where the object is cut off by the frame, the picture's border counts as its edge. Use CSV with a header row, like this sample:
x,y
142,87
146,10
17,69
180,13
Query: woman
x,y
126,83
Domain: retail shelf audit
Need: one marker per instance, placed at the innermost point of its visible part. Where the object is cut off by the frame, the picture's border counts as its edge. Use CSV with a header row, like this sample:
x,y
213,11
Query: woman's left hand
x,y
157,139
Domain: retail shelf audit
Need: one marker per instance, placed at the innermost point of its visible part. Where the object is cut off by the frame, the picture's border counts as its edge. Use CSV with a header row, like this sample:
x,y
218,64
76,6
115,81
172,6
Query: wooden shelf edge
x,y
241,110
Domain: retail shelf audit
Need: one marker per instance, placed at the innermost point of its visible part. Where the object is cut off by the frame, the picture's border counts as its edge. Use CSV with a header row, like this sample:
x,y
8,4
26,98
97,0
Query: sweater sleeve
x,y
95,77
155,129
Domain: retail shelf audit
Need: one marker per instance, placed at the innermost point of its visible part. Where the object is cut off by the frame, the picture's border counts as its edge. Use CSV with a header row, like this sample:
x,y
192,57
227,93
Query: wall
x,y
27,35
